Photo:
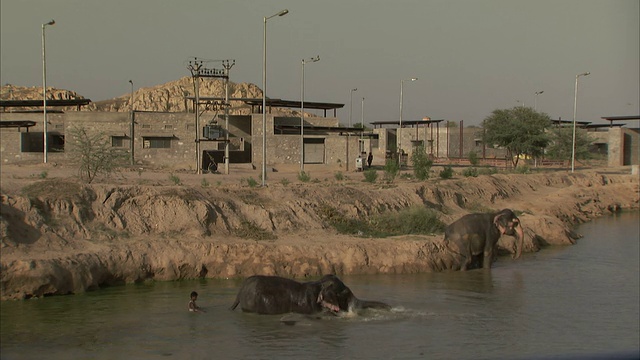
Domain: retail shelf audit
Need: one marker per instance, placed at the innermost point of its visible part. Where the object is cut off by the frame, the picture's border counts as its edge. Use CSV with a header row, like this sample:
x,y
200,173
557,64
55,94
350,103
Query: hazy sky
x,y
470,57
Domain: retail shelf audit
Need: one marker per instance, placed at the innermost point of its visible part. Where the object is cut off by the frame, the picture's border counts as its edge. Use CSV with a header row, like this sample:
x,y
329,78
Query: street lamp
x,y
351,104
362,115
535,100
264,94
304,61
44,89
400,128
575,108
132,123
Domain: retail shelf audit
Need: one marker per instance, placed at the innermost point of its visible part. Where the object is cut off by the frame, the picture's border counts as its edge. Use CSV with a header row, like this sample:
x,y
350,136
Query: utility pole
x,y
197,69
227,64
194,67
132,119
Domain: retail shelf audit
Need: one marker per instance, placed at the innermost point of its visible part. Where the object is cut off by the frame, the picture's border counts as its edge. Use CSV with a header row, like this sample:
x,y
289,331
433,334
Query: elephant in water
x,y
475,237
276,295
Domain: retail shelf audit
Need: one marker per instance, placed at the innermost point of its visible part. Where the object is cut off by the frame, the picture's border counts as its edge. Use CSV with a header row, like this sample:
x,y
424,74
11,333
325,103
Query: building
x,y
172,139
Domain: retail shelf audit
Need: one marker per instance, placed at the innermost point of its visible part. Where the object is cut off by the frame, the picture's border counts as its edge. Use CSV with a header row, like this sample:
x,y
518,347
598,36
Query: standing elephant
x,y
475,237
277,295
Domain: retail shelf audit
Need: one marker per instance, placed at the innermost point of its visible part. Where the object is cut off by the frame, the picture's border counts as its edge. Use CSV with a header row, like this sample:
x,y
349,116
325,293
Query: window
x,y
119,141
168,127
34,142
156,142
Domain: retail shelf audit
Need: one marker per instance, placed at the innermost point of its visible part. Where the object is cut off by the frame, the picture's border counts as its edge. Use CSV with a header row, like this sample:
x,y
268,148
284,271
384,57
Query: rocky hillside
x,y
169,97
62,237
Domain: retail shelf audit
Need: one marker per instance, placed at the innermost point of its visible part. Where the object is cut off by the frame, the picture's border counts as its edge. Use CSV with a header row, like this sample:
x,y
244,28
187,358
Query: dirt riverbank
x,y
61,237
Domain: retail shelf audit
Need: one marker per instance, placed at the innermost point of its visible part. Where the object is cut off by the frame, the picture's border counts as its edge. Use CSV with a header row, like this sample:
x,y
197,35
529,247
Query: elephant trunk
x,y
520,244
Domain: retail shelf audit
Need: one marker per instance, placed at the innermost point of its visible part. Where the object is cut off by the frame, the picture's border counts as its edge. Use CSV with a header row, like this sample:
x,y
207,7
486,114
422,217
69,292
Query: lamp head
x,y
52,22
414,79
315,59
356,89
283,12
584,74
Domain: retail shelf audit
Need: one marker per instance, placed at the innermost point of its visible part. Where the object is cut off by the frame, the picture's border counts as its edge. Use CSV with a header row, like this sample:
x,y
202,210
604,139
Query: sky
x,y
470,56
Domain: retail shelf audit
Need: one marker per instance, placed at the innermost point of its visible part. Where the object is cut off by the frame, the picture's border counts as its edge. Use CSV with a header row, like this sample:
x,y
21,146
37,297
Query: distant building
x,y
168,139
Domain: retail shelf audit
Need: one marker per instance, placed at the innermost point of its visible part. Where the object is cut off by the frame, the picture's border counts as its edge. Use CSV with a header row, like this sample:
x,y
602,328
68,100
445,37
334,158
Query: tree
x,y
561,141
93,154
520,130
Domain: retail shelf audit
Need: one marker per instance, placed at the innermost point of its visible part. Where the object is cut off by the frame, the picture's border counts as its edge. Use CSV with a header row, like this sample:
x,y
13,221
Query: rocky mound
x,y
168,97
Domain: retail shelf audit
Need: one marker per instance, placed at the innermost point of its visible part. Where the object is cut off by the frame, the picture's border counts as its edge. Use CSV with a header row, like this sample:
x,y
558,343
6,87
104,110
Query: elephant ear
x,y
500,222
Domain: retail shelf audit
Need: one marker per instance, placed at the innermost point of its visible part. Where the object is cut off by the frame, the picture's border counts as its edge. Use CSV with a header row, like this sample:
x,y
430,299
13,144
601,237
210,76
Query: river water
x,y
562,302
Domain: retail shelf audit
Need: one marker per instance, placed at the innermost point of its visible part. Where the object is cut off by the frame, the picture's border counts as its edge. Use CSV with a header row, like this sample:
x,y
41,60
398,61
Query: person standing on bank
x,y
369,160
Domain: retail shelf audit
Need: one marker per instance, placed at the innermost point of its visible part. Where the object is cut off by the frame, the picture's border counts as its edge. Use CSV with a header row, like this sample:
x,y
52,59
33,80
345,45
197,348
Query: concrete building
x,y
168,139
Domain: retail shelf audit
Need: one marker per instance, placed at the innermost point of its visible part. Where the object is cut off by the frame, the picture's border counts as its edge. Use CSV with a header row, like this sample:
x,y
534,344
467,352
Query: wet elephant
x,y
276,295
475,237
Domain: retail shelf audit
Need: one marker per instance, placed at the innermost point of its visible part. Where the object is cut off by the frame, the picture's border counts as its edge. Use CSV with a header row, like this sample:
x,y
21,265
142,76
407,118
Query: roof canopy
x,y
410,123
38,103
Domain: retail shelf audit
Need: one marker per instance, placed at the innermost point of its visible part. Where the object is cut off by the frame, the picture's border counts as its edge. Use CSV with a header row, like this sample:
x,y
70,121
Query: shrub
x,y
416,220
175,179
251,182
303,176
43,175
391,170
487,171
93,154
523,169
470,172
370,176
421,163
204,183
249,230
473,158
339,176
447,172
284,181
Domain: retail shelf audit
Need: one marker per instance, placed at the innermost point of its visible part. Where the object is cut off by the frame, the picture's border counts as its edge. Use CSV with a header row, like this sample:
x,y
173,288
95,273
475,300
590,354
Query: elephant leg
x,y
465,265
487,259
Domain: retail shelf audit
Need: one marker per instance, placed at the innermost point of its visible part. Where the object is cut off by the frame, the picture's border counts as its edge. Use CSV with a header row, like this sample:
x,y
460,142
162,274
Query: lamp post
x,y
44,89
535,100
575,108
132,124
351,104
264,94
304,61
400,128
362,114
362,124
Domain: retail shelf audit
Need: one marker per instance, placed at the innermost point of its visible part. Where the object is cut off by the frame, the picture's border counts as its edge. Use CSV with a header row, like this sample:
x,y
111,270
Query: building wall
x,y
246,139
439,141
623,147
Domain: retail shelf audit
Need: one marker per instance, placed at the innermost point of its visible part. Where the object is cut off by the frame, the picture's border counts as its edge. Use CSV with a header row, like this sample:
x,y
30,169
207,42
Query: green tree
x,y
421,163
561,141
520,130
93,154
359,125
